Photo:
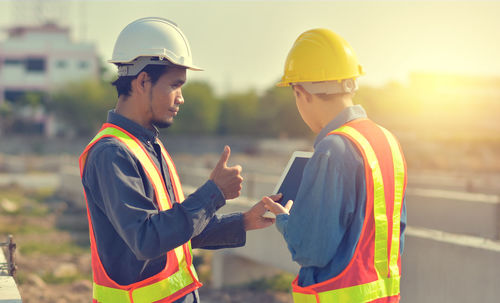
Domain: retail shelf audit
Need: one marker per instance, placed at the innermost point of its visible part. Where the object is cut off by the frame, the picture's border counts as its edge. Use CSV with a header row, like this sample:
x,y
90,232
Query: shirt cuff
x,y
225,231
216,195
207,196
281,222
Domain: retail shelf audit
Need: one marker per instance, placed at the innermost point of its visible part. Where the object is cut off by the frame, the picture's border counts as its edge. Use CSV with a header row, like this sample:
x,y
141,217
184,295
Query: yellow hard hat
x,y
320,55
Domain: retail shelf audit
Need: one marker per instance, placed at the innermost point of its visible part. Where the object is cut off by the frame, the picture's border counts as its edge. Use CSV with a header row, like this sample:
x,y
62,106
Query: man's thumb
x,y
224,157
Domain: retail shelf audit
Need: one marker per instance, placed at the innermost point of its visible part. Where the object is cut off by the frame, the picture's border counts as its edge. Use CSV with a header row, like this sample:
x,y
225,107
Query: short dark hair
x,y
123,84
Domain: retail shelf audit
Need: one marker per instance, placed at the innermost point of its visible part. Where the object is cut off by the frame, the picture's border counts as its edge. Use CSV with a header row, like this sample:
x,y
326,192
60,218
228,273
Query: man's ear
x,y
141,82
300,91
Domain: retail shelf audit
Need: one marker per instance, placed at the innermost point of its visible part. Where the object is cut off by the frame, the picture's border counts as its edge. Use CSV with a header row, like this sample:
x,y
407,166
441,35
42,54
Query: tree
x,y
239,114
279,116
200,111
83,106
6,117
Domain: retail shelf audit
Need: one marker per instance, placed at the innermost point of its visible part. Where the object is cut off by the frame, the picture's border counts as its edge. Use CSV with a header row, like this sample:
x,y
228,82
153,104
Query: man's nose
x,y
179,99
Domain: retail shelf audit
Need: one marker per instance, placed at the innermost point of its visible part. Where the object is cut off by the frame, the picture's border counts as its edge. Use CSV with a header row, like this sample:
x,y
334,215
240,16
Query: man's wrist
x,y
217,195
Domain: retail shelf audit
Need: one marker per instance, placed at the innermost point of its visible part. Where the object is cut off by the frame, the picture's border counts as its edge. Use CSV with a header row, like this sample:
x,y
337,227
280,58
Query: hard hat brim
x,y
135,66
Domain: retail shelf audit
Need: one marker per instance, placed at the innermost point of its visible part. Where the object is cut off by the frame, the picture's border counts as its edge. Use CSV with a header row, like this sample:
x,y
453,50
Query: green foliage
x,y
5,109
279,116
238,114
50,278
51,249
19,228
84,105
199,113
281,282
32,99
14,202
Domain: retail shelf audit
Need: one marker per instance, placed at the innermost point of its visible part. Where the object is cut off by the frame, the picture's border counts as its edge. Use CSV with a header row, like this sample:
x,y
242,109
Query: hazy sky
x,y
243,44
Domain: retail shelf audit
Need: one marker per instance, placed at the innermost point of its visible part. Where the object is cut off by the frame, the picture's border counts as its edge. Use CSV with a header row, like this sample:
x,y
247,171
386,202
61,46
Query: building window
x,y
14,95
35,65
83,64
13,62
61,64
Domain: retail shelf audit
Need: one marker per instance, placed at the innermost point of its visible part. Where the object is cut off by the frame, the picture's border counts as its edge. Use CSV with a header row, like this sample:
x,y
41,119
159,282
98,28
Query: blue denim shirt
x,y
132,235
326,219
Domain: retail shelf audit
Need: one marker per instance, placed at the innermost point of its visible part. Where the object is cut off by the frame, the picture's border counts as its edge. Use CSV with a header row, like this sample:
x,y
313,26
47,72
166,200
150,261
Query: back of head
x,y
322,62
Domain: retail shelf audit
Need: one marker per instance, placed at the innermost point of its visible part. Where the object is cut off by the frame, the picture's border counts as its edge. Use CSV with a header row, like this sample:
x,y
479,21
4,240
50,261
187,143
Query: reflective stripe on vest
x,y
185,279
146,294
385,263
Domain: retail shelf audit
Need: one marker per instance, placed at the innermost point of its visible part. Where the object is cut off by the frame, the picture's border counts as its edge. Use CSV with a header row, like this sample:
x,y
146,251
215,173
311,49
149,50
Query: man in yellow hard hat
x,y
141,226
346,225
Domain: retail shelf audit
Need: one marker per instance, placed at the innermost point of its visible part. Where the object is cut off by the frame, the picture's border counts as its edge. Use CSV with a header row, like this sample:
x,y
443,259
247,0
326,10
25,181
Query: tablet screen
x,y
292,175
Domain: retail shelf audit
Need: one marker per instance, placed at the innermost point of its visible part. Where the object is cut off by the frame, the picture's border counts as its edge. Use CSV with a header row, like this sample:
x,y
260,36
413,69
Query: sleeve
x,y
325,208
225,231
113,178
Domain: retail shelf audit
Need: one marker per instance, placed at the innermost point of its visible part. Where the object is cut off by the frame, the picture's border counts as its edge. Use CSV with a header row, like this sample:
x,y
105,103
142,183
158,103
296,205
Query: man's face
x,y
166,96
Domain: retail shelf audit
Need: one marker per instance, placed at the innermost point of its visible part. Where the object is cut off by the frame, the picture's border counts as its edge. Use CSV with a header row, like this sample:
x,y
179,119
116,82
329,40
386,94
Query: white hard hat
x,y
151,40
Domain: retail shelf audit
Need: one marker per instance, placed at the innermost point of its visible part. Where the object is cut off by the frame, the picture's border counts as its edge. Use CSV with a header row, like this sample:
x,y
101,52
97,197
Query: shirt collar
x,y
133,128
347,114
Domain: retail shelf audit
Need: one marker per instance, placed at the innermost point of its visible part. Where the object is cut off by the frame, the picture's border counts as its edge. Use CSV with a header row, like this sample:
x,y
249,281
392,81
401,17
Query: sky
x,y
243,44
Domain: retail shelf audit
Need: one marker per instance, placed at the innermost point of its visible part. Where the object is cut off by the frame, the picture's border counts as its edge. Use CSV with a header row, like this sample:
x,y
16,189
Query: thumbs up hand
x,y
228,179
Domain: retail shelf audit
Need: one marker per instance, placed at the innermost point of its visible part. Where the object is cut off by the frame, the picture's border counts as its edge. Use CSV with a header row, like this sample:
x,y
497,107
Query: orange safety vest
x,y
373,274
178,278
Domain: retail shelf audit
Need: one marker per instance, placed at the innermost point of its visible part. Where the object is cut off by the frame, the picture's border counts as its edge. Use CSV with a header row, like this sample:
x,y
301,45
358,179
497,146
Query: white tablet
x,y
289,182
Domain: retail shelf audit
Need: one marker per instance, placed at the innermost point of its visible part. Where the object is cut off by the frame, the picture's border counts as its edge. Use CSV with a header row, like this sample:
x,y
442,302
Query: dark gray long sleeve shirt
x,y
132,235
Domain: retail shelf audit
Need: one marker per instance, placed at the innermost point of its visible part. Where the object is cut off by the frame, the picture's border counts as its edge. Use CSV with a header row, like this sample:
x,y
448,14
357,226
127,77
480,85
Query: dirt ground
x,y
39,284
35,290
53,258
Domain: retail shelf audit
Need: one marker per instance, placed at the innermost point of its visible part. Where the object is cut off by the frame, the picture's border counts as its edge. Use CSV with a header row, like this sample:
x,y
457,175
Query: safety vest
x,y
178,278
373,274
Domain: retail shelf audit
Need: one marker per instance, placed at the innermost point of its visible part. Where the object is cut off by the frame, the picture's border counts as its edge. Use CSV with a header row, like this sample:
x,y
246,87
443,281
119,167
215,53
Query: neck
x,y
329,109
127,107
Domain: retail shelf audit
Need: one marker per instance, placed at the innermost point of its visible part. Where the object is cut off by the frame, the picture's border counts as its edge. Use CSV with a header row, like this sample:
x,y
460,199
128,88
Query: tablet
x,y
289,182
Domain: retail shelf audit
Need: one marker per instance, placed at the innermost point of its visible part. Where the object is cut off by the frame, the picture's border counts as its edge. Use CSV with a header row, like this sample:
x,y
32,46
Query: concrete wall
x,y
437,266
440,267
458,212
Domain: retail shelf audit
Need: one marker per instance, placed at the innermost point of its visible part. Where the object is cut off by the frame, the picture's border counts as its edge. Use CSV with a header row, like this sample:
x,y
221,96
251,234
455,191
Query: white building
x,y
39,59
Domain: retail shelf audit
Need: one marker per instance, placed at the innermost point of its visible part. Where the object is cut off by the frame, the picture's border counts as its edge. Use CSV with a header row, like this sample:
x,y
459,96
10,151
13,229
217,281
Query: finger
x,y
289,205
260,208
272,206
268,222
224,157
276,197
233,195
268,202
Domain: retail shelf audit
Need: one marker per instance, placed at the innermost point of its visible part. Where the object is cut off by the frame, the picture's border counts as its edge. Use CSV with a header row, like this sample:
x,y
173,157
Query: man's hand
x,y
254,217
228,179
277,208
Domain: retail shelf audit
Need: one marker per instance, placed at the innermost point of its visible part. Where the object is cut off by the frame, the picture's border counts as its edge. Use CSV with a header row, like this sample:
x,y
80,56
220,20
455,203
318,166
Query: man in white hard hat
x,y
142,228
346,226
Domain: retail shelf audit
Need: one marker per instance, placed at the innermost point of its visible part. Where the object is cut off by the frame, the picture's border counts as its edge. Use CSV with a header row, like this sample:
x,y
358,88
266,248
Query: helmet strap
x,y
330,87
135,67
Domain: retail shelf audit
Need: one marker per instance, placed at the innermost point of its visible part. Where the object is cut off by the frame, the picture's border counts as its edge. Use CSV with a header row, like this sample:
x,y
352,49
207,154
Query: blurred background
x,y
432,78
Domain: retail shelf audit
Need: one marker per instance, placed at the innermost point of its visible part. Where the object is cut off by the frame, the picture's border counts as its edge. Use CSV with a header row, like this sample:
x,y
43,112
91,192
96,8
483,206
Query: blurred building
x,y
35,60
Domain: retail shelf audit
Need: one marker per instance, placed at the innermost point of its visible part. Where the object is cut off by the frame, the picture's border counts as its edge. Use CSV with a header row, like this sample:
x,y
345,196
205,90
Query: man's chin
x,y
162,124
